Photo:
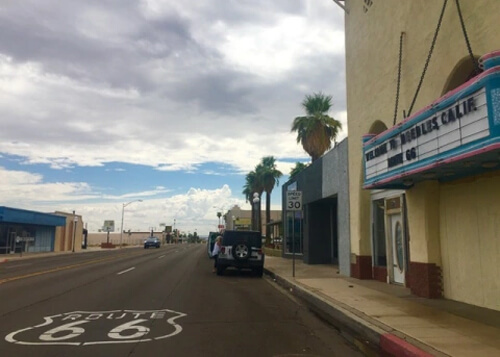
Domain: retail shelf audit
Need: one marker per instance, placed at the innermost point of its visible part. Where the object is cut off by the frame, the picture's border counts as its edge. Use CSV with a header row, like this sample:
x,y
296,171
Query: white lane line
x,y
125,271
161,256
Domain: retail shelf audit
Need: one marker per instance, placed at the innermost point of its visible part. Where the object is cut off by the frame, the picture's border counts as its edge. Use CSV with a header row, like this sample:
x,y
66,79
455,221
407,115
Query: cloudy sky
x,y
104,102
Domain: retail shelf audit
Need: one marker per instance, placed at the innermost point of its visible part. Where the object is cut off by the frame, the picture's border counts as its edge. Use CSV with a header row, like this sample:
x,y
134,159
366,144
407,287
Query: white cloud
x,y
275,50
163,84
19,188
194,209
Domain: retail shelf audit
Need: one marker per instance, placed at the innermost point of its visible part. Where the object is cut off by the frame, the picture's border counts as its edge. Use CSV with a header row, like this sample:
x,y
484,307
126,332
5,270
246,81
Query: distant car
x,y
152,242
241,250
210,242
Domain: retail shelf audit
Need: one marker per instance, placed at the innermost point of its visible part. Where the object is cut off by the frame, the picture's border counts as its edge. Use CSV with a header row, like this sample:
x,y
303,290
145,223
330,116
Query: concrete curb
x,y
376,338
394,346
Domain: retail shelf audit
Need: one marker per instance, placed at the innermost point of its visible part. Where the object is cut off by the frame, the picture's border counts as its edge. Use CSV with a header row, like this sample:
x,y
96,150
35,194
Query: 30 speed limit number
x,y
294,200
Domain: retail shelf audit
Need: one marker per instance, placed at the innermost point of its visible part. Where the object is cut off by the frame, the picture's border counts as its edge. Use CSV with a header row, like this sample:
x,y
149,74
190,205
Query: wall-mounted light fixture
x,y
408,182
489,164
429,175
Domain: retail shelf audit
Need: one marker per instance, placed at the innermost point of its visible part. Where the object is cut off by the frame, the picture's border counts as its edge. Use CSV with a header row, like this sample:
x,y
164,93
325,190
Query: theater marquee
x,y
456,136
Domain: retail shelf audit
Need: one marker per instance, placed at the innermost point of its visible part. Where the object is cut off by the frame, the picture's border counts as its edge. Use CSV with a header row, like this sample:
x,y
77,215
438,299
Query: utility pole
x,y
75,221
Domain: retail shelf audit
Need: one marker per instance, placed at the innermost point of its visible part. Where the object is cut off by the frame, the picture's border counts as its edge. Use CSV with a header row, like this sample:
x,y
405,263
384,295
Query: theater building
x,y
423,103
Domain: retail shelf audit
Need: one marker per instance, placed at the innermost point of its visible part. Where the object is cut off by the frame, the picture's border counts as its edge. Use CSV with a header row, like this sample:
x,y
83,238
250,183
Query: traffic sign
x,y
294,200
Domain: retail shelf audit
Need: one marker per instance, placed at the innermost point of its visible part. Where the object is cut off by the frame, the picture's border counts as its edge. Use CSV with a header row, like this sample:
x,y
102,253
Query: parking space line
x,y
125,271
161,256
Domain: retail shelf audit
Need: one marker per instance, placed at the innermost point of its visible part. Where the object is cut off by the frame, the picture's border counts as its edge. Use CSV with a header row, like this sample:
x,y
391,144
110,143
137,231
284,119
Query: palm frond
x,y
316,130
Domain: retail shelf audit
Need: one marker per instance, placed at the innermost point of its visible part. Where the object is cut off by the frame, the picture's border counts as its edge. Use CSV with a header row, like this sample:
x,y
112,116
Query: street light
x,y
123,212
256,209
75,221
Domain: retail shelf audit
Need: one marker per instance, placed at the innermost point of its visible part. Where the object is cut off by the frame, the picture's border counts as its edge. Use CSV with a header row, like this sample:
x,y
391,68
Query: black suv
x,y
241,249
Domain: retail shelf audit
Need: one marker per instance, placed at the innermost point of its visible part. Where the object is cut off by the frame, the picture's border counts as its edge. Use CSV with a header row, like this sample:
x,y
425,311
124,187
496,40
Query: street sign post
x,y
293,203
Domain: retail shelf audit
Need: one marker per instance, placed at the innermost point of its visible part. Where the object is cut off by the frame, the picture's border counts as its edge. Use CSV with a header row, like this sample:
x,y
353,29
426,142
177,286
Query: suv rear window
x,y
252,238
212,236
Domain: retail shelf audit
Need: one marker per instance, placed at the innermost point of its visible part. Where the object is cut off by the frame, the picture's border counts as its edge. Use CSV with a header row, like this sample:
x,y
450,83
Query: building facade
x,y
237,218
319,232
424,146
23,231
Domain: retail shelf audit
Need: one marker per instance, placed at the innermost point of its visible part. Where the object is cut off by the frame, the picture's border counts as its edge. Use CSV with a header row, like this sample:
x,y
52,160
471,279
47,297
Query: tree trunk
x,y
268,218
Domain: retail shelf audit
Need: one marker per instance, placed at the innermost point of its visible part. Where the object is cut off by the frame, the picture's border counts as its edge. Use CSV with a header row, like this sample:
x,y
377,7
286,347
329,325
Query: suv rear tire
x,y
241,251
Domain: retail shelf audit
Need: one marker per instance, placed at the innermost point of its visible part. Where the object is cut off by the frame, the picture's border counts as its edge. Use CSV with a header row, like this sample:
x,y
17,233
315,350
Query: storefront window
x,y
14,238
379,251
294,238
26,238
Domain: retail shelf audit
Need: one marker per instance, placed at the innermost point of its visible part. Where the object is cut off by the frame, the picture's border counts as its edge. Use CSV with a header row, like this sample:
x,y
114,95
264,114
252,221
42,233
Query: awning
x,y
15,215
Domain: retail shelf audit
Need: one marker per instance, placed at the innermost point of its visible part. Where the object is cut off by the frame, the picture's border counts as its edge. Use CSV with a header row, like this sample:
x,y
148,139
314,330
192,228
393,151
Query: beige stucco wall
x,y
470,240
423,203
372,47
64,234
134,238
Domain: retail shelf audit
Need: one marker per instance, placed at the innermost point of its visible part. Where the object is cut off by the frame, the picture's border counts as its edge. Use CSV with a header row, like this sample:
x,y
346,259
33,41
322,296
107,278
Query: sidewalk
x,y
389,317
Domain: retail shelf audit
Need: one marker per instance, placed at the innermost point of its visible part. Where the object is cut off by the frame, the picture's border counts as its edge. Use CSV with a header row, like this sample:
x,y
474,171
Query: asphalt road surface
x,y
155,302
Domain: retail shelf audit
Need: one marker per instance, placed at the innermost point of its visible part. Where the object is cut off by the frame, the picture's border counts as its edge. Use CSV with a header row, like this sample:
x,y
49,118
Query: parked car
x,y
210,242
152,242
241,250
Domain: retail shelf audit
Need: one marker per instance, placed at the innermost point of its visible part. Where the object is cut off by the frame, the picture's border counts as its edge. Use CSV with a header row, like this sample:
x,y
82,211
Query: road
x,y
137,302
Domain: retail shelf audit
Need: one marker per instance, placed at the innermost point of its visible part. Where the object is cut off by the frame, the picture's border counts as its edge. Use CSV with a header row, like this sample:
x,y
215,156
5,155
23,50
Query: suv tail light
x,y
223,250
259,251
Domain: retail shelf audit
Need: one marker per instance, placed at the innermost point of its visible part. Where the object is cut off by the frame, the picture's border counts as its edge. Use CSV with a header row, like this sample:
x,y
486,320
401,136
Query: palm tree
x,y
316,129
299,166
269,176
247,190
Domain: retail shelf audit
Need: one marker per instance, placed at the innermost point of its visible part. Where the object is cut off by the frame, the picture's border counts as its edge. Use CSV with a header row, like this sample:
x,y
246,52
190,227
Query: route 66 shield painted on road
x,y
84,328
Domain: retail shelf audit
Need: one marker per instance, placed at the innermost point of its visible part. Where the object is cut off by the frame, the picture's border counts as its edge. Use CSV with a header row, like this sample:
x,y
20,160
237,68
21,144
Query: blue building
x,y
23,230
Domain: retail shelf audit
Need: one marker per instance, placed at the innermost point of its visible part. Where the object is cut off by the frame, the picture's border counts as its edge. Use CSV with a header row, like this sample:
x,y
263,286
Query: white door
x,y
398,248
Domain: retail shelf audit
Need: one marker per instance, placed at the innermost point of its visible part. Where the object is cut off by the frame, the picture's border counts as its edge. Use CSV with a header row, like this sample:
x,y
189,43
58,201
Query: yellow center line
x,y
66,267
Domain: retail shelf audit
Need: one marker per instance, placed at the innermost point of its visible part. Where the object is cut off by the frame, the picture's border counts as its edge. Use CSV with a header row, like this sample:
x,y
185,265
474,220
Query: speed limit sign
x,y
294,200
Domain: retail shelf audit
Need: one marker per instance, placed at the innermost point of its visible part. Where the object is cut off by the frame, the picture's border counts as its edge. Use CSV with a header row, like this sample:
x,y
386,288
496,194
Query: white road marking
x,y
129,330
161,256
126,271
